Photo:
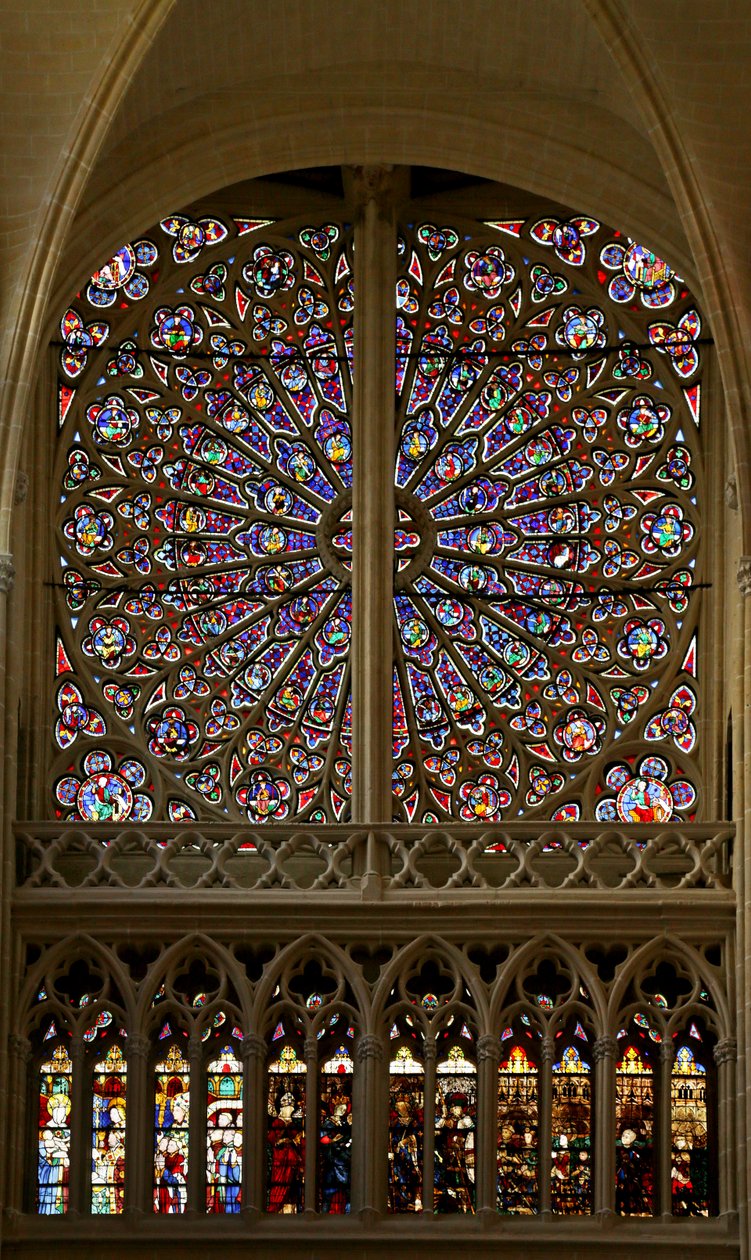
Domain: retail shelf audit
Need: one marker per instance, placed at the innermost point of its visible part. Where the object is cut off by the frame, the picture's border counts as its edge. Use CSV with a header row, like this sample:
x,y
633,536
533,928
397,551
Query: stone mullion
x,y
486,1133
139,1140
311,1124
373,494
545,1131
664,1130
196,1200
725,1054
80,1135
254,1050
369,1137
428,1140
605,1052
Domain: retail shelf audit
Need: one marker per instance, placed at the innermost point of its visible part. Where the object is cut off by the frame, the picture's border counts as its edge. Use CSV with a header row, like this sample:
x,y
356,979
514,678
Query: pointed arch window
x,y
286,1135
108,1148
55,1084
171,1132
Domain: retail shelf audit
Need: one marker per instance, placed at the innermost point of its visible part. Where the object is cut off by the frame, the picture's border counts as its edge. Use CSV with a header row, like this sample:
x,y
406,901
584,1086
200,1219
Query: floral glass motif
x,y
224,1133
205,467
689,1129
517,1176
546,454
571,1173
109,1096
55,1098
335,1133
634,1125
285,1137
406,1131
171,1133
455,1123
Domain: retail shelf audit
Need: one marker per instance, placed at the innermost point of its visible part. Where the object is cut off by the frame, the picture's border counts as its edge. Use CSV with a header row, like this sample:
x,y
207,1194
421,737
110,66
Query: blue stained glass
x,y
551,537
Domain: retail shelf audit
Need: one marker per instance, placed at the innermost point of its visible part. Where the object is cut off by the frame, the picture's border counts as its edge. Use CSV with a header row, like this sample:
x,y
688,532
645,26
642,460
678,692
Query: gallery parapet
x,y
348,857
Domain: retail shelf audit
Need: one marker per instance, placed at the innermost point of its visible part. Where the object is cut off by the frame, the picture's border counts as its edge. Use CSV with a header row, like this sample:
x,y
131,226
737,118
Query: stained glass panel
x,y
546,524
109,1095
689,1172
634,1126
571,1174
205,527
517,1173
171,1118
224,1133
285,1137
335,1133
53,1125
406,1131
455,1122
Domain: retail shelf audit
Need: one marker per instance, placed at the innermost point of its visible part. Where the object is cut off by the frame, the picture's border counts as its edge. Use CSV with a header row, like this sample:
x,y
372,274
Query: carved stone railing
x,y
381,859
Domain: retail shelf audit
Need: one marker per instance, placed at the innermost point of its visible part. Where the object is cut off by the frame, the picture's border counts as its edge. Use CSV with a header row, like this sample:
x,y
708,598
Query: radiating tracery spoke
x,y
546,445
207,443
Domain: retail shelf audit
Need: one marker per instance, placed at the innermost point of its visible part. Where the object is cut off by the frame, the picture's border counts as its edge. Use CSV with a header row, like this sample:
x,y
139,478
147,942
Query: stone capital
x,y
488,1048
429,1051
667,1051
605,1048
547,1048
254,1047
138,1047
7,573
19,1047
726,1050
370,1047
311,1049
743,575
373,183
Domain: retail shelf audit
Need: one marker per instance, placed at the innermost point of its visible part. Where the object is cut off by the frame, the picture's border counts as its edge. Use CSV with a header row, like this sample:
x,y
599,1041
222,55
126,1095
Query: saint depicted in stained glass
x,y
455,1122
689,1171
546,534
224,1133
634,1124
406,1131
55,1079
171,1116
109,1096
285,1137
571,1173
205,526
517,1181
335,1133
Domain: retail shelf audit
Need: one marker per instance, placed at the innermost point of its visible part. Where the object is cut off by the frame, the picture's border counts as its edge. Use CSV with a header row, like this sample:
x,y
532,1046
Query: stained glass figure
x,y
689,1130
55,1096
224,1132
634,1126
546,535
455,1123
206,470
109,1097
171,1117
335,1133
571,1173
406,1131
285,1137
518,1160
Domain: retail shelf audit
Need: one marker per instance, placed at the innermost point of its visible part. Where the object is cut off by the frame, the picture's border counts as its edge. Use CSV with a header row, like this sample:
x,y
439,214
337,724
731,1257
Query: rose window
x,y
545,532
